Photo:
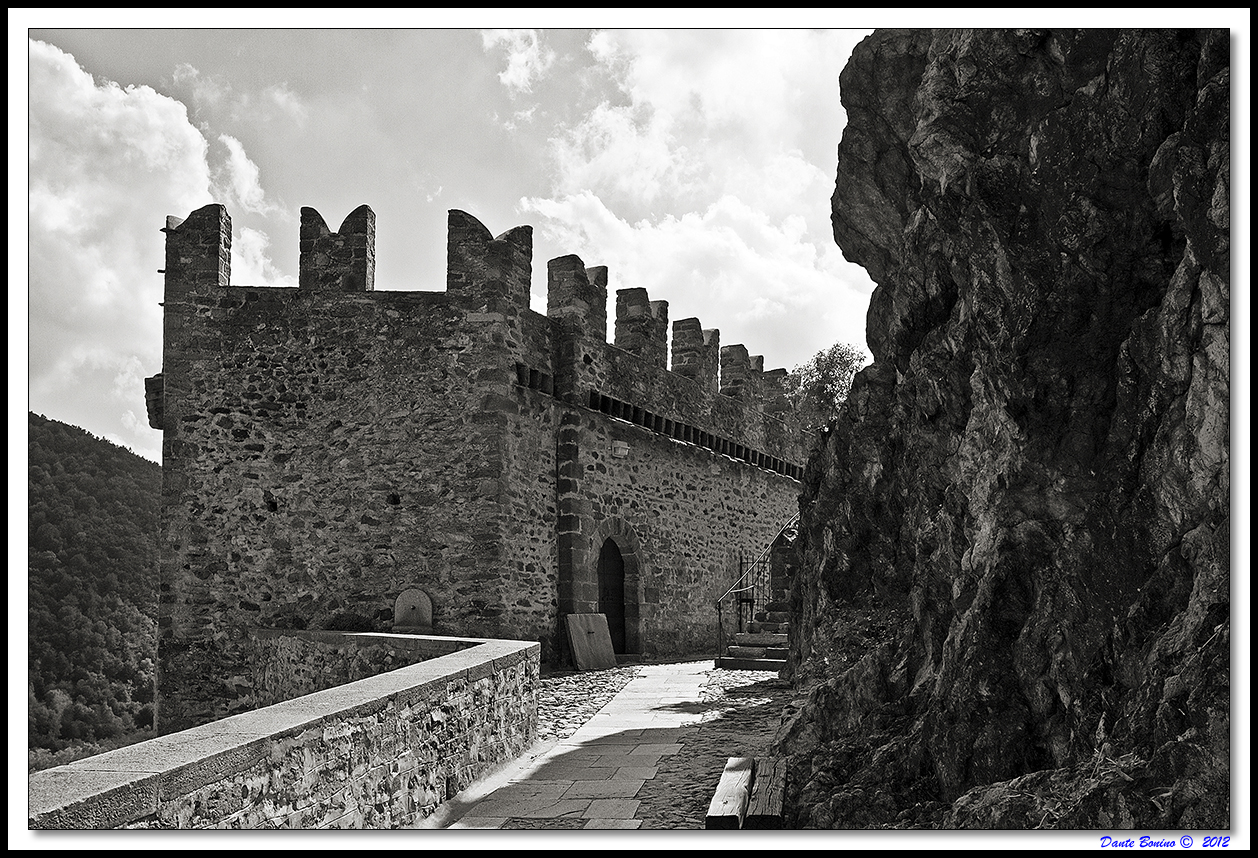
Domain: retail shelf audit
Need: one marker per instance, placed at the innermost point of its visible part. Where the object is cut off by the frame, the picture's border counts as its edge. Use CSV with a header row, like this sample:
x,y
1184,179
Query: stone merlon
x,y
198,250
578,295
494,273
696,352
642,326
341,261
735,370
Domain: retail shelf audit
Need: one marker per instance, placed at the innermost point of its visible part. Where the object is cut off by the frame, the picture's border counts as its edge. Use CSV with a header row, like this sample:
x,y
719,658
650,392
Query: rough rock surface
x,y
1028,491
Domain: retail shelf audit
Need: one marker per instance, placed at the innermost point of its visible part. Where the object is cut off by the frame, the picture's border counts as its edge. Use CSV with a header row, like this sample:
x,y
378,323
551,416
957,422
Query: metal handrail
x,y
741,585
763,554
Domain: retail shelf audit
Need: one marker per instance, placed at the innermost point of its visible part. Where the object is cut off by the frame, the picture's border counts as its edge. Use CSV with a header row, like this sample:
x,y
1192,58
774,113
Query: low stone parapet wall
x,y
287,663
380,752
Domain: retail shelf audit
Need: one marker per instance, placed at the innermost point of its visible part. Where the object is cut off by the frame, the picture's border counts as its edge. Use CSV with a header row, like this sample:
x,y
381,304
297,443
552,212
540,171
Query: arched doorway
x,y
611,591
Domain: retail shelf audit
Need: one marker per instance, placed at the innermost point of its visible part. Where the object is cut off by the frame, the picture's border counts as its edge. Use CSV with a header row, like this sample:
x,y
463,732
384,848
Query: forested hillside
x,y
92,587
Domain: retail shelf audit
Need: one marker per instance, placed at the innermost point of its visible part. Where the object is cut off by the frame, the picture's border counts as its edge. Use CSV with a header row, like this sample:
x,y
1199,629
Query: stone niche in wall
x,y
412,613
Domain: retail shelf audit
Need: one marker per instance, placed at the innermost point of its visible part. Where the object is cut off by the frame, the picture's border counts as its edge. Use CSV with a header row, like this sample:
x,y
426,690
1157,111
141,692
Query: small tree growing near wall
x,y
819,386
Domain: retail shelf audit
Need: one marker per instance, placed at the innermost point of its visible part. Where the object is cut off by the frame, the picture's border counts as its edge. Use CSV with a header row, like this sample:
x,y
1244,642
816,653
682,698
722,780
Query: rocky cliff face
x,y
1025,506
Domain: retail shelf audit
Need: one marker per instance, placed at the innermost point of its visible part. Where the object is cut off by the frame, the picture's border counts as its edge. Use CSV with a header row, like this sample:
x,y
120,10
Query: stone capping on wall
x,y
688,434
431,646
123,786
533,379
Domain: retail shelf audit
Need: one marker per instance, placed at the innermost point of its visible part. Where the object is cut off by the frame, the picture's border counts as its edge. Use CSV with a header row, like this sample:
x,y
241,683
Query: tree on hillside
x,y
819,386
92,593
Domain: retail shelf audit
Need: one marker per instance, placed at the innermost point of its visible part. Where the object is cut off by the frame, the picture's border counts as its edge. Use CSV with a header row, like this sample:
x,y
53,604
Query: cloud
x,y
251,265
519,118
287,102
205,91
627,159
700,114
527,59
239,179
106,164
704,172
129,373
214,93
727,262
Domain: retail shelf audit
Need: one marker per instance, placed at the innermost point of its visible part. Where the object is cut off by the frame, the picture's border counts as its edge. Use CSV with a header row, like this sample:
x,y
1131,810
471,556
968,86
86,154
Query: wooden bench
x,y
764,810
749,794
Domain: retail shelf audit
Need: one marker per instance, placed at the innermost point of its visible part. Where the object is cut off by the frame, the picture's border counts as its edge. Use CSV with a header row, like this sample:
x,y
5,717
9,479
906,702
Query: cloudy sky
x,y
696,164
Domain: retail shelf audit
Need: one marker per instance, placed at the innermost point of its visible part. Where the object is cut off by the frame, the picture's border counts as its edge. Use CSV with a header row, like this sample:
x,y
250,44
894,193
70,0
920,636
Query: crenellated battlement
x,y
577,296
495,273
198,250
330,449
696,353
718,389
642,326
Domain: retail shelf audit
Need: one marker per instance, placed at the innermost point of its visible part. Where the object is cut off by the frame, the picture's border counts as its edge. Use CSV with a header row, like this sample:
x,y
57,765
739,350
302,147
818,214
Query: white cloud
x,y
212,93
704,113
239,178
613,152
130,421
527,58
287,101
251,265
705,177
106,164
129,374
206,91
727,262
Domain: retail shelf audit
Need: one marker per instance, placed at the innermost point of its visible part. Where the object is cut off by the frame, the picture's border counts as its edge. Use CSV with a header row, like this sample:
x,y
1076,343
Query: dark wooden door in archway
x,y
611,592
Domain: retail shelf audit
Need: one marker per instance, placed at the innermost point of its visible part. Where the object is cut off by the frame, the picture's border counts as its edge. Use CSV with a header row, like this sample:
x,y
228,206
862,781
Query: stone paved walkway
x,y
649,758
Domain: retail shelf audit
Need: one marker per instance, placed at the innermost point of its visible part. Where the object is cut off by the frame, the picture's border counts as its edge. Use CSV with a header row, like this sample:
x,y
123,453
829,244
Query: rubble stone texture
x,y
1033,474
330,447
382,752
288,664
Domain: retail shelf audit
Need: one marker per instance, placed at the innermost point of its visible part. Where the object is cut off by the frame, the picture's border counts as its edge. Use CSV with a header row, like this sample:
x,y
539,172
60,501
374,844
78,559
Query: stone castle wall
x,y
381,752
328,447
680,516
287,664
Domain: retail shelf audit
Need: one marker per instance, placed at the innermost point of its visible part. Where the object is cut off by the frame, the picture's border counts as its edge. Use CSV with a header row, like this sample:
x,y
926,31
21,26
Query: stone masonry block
x,y
493,274
642,326
198,251
696,353
576,297
735,370
341,261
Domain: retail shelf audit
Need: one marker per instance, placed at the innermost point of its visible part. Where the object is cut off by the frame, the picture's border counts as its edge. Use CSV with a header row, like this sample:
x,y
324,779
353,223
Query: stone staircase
x,y
761,612
763,645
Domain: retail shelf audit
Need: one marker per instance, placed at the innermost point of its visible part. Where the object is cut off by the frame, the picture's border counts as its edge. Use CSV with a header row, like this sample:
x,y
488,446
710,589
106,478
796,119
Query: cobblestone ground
x,y
740,712
567,700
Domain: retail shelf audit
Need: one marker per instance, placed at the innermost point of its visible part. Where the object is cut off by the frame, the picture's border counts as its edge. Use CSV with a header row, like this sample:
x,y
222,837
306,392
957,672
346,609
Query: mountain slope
x,y
92,586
